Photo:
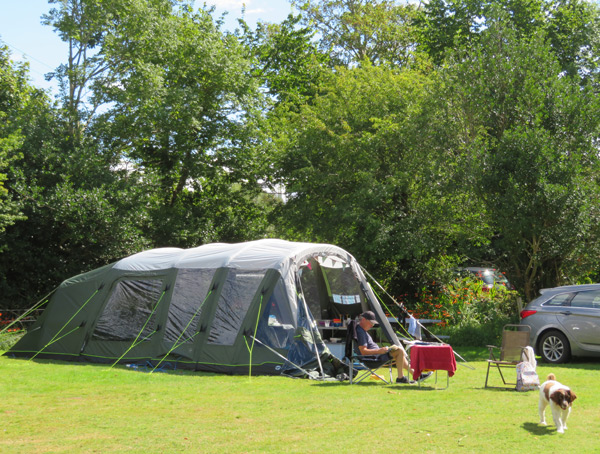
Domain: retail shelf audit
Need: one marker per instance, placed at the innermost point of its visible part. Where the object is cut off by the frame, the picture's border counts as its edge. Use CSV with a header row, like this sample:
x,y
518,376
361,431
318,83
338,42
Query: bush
x,y
476,334
471,314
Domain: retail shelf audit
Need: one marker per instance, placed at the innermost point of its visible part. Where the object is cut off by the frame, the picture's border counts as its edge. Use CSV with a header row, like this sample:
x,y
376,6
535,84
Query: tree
x,y
444,25
186,114
15,97
288,62
360,168
67,210
571,27
84,25
574,33
353,31
528,153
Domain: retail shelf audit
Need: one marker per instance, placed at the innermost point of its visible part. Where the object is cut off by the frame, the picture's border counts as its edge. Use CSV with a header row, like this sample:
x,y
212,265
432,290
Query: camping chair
x,y
360,366
514,340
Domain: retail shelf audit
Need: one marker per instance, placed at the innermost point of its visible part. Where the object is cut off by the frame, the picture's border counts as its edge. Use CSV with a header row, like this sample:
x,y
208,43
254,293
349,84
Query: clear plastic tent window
x,y
130,308
189,296
237,294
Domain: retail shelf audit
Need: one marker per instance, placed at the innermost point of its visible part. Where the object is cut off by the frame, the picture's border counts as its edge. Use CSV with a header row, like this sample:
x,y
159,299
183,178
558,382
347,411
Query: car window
x,y
499,277
561,299
487,277
587,299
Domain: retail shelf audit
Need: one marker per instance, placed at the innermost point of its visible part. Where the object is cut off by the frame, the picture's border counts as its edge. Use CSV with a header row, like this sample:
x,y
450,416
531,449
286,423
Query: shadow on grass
x,y
498,388
394,388
537,429
167,367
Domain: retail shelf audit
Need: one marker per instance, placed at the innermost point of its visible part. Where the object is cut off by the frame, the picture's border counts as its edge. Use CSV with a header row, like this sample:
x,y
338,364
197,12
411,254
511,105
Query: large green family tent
x,y
250,307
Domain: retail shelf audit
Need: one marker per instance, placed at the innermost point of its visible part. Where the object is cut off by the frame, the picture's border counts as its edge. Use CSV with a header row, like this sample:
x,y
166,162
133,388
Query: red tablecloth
x,y
432,357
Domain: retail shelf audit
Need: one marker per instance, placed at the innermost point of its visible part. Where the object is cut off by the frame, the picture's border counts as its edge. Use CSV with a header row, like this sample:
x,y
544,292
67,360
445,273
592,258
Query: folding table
x,y
432,357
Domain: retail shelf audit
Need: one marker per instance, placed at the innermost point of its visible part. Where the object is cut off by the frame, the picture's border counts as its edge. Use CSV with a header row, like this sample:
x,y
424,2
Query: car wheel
x,y
555,348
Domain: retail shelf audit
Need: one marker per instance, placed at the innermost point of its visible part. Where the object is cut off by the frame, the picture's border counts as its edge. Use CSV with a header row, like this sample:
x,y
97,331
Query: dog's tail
x,y
551,377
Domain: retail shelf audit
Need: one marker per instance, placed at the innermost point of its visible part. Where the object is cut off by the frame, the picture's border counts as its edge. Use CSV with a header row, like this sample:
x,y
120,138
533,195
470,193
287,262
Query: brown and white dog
x,y
560,398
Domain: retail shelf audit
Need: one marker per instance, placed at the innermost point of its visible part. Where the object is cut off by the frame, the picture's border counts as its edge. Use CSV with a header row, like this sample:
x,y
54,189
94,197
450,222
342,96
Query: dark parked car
x,y
565,322
491,277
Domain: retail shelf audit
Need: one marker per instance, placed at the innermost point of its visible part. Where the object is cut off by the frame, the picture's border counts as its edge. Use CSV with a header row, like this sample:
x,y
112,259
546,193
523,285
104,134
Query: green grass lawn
x,y
70,408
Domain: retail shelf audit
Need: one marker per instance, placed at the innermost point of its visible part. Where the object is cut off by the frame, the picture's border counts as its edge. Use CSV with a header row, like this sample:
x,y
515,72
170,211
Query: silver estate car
x,y
564,322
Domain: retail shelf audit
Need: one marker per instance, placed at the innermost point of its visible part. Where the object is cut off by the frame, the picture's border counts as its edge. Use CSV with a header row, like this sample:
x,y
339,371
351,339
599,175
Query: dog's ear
x,y
558,396
572,396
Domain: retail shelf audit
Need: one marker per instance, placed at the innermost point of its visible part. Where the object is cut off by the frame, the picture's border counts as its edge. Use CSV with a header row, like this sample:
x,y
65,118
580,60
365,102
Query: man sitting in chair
x,y
368,347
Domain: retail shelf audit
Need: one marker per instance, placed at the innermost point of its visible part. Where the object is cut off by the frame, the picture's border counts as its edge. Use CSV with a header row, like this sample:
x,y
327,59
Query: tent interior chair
x,y
360,366
514,340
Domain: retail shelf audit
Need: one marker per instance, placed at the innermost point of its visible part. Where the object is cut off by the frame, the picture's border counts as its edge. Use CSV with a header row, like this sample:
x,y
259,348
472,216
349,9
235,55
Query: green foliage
x,y
288,62
571,27
356,31
465,301
347,163
573,31
186,114
477,334
364,167
528,153
70,228
16,100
